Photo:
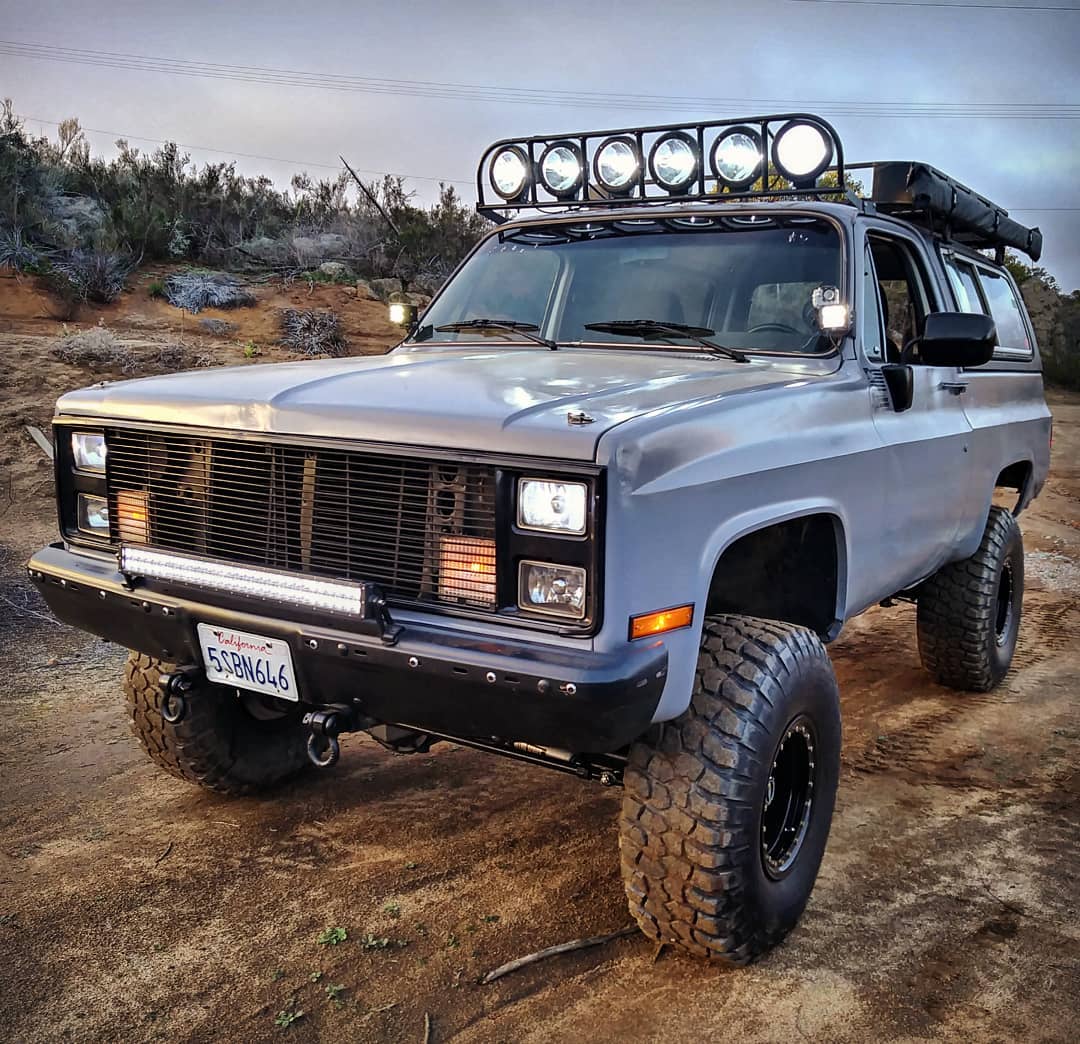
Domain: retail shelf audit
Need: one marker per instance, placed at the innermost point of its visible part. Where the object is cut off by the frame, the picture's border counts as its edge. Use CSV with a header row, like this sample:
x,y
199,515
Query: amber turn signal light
x,y
132,512
661,621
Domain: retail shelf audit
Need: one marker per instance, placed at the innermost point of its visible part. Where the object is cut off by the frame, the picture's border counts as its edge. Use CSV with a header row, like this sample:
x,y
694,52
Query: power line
x,y
519,95
931,3
415,177
252,155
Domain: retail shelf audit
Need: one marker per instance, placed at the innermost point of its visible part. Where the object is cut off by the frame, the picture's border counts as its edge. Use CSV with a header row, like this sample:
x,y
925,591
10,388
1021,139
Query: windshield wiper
x,y
515,326
654,327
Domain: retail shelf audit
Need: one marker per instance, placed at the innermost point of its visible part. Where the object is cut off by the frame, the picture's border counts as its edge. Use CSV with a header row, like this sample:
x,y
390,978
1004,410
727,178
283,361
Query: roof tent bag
x,y
972,218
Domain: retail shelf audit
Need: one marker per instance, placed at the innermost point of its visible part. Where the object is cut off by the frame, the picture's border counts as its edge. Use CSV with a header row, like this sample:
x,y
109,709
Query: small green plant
x,y
279,974
411,864
491,918
332,936
392,909
252,350
315,976
452,941
156,288
287,1016
334,992
374,942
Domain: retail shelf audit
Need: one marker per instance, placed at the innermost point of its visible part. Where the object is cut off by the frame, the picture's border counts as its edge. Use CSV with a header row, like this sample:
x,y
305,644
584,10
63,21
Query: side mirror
x,y
956,339
901,384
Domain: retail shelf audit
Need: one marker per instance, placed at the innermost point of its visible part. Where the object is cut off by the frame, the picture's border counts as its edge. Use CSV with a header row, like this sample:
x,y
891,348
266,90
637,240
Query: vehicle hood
x,y
510,400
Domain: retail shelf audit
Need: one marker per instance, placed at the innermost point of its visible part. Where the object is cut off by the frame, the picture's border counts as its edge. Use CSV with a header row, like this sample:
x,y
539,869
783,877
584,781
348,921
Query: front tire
x,y
969,612
218,744
727,808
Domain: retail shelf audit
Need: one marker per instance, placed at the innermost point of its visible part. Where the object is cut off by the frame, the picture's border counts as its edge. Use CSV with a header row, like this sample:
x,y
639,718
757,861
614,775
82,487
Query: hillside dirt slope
x,y
134,907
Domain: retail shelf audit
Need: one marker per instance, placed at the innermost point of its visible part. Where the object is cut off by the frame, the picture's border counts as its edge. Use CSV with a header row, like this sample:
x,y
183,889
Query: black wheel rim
x,y
1003,619
789,799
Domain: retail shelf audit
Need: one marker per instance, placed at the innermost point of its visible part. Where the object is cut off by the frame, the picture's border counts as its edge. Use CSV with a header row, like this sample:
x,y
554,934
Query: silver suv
x,y
643,455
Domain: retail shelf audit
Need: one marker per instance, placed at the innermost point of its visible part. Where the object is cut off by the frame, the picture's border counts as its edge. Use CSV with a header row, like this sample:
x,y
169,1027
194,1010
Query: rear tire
x,y
969,612
727,808
217,744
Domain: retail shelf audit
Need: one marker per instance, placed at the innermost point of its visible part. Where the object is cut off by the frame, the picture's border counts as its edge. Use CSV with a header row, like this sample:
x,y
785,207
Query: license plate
x,y
248,661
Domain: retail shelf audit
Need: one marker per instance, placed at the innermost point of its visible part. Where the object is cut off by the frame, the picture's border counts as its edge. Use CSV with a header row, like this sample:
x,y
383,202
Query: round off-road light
x,y
737,157
510,172
674,161
617,165
561,169
801,151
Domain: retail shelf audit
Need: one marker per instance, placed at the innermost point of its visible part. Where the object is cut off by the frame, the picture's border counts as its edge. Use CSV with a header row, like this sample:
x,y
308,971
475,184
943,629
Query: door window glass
x,y
963,280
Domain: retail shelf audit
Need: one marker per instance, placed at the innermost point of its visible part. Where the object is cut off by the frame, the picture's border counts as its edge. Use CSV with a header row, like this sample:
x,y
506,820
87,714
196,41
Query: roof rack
x,y
781,156
924,196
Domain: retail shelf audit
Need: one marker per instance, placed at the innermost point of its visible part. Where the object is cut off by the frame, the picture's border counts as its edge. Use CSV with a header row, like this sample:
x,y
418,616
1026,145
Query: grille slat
x,y
344,514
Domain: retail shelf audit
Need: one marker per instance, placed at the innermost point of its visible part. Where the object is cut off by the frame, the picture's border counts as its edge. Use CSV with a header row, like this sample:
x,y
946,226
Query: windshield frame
x,y
824,212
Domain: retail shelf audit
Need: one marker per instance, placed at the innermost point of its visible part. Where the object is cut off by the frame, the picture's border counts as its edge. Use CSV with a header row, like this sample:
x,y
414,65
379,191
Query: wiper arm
x,y
647,327
513,325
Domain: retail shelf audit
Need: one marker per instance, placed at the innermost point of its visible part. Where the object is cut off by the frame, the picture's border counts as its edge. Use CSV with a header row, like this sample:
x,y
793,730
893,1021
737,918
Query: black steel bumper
x,y
434,678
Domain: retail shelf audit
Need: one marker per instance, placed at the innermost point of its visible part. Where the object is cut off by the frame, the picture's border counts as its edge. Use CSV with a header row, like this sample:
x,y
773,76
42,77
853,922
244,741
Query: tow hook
x,y
323,749
175,689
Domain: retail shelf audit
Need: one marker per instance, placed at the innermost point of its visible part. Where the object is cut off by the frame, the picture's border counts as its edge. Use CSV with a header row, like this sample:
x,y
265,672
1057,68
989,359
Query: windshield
x,y
748,279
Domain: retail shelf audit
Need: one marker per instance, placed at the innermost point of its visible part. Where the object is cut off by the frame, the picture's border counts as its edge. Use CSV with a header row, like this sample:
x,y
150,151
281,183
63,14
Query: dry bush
x,y
217,327
312,333
95,349
96,275
194,291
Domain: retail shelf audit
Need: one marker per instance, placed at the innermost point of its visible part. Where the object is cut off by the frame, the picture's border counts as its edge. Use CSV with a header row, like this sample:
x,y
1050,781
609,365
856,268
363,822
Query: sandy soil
x,y
133,907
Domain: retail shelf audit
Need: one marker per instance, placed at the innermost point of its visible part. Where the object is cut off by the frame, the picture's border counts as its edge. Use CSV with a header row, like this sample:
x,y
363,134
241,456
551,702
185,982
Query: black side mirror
x,y
955,339
901,384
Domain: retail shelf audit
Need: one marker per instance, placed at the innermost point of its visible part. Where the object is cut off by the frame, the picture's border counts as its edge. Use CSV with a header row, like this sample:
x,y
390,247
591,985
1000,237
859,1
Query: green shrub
x,y
156,288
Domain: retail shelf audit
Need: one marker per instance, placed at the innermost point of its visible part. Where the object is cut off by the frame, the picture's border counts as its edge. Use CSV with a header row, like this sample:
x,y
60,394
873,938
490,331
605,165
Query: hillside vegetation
x,y
87,221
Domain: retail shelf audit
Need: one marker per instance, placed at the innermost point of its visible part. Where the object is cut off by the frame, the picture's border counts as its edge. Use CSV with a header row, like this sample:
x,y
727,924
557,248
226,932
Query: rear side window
x,y
1006,310
965,286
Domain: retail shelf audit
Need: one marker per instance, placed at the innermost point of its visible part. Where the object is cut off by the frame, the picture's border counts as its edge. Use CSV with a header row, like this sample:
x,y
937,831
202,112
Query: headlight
x,y
509,172
737,157
674,161
553,507
93,515
801,152
88,451
555,589
617,165
560,169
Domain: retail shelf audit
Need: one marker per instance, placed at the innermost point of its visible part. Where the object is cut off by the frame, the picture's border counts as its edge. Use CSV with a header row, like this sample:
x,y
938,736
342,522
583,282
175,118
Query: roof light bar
x,y
335,596
698,161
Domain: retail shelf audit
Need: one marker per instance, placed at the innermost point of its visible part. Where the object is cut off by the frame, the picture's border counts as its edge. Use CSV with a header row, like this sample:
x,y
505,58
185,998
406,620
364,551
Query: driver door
x,y
926,448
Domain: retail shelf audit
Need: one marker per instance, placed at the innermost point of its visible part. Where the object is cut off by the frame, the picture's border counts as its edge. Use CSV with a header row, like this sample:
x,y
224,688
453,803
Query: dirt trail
x,y
133,907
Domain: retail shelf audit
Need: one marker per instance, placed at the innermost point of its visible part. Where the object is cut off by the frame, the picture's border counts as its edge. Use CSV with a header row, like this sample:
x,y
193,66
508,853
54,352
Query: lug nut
x,y
490,676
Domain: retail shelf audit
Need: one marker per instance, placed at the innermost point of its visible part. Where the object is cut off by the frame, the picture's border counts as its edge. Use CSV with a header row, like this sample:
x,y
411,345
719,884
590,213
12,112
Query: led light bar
x,y
335,596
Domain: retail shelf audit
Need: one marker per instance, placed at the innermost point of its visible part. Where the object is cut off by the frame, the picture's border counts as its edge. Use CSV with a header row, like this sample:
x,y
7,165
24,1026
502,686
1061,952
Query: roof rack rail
x,y
924,196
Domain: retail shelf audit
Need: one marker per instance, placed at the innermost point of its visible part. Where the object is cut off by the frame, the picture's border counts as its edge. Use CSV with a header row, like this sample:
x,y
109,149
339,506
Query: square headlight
x,y
88,451
555,589
552,507
93,515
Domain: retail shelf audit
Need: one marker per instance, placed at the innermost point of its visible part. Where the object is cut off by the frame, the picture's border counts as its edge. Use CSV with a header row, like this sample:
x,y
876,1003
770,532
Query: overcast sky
x,y
820,56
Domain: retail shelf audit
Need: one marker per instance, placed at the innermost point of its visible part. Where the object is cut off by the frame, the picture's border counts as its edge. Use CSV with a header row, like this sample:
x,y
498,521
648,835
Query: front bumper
x,y
434,678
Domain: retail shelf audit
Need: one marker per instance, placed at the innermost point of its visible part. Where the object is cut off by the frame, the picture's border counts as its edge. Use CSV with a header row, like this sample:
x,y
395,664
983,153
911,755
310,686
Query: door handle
x,y
956,387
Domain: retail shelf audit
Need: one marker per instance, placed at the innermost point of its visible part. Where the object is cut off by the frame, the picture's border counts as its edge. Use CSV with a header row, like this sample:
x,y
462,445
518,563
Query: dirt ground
x,y
133,907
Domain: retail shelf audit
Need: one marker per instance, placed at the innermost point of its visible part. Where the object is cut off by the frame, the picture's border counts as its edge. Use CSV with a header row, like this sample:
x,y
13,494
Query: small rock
x,y
335,270
364,292
385,287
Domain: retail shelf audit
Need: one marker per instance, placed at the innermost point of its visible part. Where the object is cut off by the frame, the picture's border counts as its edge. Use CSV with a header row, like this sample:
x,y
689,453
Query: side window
x,y
965,286
1006,310
873,339
903,297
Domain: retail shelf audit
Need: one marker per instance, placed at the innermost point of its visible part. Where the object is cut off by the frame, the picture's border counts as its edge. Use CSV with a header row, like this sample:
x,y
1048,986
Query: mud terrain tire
x,y
710,866
969,612
218,744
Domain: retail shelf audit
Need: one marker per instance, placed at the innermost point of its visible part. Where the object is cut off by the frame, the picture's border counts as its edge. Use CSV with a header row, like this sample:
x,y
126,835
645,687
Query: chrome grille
x,y
347,514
